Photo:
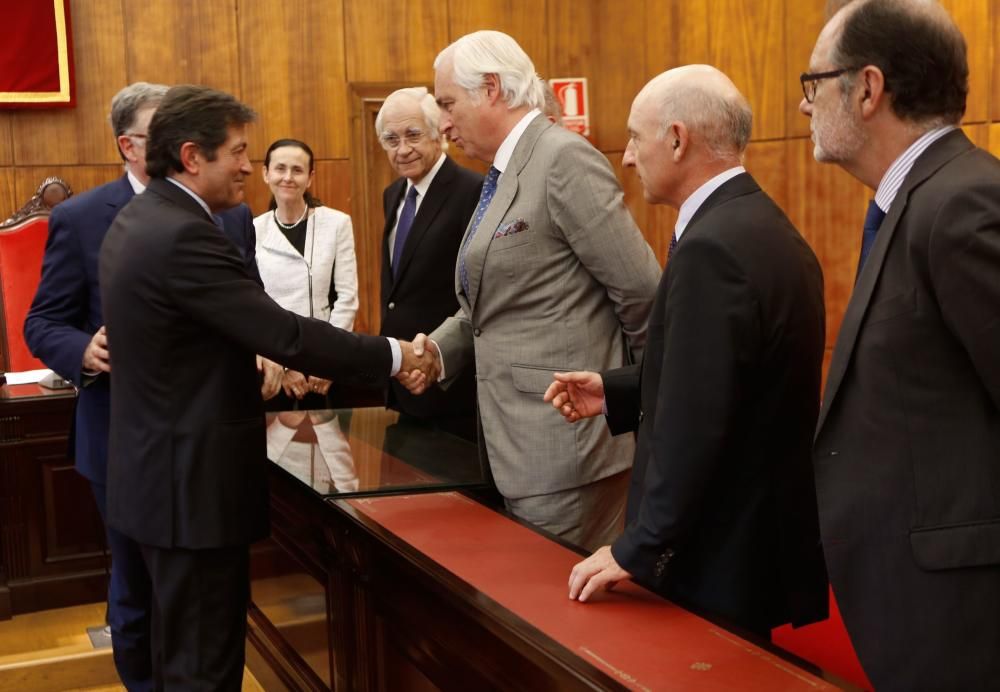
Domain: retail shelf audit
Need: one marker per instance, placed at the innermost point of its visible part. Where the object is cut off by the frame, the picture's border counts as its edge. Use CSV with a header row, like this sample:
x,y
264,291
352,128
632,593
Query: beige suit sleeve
x,y
455,339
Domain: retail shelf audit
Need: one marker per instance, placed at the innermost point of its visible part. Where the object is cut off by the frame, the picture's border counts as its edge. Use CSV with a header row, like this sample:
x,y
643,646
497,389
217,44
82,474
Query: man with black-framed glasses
x,y
907,449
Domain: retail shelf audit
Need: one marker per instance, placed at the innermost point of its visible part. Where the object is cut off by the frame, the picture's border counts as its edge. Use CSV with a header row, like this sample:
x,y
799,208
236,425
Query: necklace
x,y
290,226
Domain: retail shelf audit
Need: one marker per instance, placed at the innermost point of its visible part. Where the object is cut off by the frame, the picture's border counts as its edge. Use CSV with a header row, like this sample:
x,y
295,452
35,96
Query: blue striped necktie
x,y
485,197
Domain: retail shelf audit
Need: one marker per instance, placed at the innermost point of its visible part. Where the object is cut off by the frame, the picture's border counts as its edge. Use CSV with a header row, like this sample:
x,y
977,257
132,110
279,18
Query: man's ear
x,y
873,92
678,138
491,83
191,157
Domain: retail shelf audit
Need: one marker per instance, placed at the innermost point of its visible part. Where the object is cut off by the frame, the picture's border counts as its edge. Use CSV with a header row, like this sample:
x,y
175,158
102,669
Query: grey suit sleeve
x,y
455,339
587,204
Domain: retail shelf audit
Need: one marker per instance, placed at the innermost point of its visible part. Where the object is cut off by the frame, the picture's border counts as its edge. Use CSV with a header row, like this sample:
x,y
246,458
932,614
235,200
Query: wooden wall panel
x,y
676,34
973,18
828,207
613,67
293,73
803,22
80,178
994,139
81,134
523,19
767,163
393,41
8,200
183,43
994,39
6,139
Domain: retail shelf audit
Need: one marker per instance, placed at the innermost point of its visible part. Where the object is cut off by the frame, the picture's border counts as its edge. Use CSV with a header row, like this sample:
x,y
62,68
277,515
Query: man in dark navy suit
x,y
426,212
64,329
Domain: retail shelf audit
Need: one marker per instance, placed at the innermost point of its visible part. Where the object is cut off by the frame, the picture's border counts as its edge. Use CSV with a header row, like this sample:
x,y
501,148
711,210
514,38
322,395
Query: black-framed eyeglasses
x,y
811,80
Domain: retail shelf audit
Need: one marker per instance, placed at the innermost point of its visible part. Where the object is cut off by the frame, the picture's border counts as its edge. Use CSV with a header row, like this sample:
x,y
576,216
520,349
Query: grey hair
x,y
724,122
129,101
482,53
428,106
553,109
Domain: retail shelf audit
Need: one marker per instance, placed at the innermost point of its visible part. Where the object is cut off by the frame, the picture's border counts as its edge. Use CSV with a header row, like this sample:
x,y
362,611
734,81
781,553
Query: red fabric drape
x,y
36,54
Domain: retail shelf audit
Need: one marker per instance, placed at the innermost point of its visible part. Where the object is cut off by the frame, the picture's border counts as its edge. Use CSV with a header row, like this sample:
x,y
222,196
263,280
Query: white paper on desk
x,y
26,377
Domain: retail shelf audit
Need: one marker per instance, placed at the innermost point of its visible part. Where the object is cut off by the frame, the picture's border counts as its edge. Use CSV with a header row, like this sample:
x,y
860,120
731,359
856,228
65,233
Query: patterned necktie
x,y
673,246
485,197
403,228
873,219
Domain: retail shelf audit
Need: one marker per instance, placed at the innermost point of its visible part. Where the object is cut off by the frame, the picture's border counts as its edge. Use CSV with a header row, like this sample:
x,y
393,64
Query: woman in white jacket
x,y
305,253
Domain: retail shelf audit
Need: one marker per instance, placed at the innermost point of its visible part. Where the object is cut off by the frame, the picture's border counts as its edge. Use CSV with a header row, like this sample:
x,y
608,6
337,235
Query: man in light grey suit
x,y
551,207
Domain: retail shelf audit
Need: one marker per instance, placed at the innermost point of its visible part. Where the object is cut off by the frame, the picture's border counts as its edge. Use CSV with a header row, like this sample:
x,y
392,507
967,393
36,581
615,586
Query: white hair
x,y
481,53
428,106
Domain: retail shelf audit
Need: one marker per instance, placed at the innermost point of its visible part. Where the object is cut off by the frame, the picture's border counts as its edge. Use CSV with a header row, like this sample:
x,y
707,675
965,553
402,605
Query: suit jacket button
x,y
392,306
476,331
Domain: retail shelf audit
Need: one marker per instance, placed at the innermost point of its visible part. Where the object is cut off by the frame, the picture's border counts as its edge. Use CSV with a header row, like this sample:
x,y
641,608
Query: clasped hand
x,y
421,365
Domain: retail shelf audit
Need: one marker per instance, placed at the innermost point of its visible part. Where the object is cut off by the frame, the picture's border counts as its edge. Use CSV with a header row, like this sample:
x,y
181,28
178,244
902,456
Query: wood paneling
x,y
803,22
828,207
182,43
293,73
973,18
393,41
6,140
994,39
523,19
81,134
8,199
609,64
676,34
746,42
767,163
80,178
994,139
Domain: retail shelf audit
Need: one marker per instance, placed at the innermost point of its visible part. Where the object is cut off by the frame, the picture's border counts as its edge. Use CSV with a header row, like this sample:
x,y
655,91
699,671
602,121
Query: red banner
x,y
36,54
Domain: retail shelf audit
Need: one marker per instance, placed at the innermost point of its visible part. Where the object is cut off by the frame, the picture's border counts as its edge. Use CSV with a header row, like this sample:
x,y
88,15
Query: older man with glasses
x,y
426,212
907,450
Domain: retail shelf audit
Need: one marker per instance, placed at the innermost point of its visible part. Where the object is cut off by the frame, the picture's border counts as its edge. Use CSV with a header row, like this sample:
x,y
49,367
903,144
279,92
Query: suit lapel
x,y
937,155
475,259
437,194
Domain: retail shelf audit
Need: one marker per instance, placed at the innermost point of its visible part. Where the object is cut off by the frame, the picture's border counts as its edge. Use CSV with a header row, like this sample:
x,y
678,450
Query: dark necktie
x,y
485,197
403,228
873,219
673,246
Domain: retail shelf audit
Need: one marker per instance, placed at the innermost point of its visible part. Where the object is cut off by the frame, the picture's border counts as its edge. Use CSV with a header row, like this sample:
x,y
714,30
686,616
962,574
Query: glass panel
x,y
339,452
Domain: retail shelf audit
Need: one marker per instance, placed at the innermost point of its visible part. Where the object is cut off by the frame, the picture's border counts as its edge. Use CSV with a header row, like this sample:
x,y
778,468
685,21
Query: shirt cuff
x,y
441,376
397,355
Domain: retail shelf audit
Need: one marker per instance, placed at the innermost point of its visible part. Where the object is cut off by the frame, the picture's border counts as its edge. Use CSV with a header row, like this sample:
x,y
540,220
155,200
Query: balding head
x,y
687,125
707,102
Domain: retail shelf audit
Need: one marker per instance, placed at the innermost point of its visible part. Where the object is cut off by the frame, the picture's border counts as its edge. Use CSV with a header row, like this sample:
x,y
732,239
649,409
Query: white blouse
x,y
301,283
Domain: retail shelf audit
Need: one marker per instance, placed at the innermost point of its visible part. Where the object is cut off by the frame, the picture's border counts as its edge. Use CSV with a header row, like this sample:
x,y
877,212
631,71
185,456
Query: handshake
x,y
421,365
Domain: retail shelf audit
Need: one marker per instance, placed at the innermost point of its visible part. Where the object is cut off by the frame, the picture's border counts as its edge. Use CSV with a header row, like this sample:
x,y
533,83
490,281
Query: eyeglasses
x,y
392,141
136,135
811,81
